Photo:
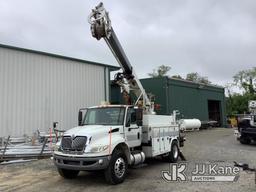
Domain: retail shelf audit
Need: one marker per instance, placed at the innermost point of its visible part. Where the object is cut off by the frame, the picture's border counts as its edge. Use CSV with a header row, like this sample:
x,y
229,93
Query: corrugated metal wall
x,y
36,90
190,99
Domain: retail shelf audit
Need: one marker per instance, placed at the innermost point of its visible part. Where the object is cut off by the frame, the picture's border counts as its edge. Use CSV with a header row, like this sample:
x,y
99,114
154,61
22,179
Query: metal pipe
x,y
5,147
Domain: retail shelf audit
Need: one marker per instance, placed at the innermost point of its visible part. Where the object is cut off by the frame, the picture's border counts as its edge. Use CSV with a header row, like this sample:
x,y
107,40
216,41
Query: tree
x,y
238,103
177,77
161,71
195,77
246,79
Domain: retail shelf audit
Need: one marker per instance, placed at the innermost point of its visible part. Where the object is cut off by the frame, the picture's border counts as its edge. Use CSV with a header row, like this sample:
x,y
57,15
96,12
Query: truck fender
x,y
124,147
174,138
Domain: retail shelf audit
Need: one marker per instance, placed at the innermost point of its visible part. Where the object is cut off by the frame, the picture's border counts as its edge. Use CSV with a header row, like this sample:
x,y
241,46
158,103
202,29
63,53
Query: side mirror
x,y
139,117
80,118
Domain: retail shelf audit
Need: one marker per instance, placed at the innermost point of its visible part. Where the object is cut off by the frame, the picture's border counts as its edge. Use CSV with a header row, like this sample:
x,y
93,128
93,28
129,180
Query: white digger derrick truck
x,y
113,137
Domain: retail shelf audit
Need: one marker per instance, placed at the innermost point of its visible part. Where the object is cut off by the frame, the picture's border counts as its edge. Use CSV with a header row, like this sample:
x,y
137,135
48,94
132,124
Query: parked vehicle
x,y
114,137
246,131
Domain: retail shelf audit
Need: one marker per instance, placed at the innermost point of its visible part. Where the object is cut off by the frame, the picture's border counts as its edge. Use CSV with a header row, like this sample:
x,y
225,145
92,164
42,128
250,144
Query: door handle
x,y
129,129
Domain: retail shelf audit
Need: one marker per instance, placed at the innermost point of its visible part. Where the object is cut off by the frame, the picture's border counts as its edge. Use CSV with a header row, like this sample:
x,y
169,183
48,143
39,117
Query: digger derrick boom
x,y
127,80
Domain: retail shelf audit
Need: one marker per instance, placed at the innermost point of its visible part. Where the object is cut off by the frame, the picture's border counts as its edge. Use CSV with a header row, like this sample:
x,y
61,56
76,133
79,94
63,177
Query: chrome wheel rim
x,y
119,168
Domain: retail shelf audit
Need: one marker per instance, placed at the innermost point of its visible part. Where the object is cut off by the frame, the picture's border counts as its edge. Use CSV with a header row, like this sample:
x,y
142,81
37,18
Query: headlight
x,y
99,149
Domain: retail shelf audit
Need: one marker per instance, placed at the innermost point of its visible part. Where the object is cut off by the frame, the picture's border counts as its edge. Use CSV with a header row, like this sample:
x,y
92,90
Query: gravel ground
x,y
215,146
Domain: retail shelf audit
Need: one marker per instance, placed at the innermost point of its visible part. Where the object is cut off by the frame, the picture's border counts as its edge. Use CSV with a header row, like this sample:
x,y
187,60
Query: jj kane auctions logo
x,y
201,173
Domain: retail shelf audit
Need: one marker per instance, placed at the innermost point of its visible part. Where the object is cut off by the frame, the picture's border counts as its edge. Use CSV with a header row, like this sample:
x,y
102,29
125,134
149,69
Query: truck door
x,y
133,132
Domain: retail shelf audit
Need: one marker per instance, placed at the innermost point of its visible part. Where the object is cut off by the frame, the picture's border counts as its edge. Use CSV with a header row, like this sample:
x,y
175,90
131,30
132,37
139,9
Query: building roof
x,y
191,83
111,67
186,81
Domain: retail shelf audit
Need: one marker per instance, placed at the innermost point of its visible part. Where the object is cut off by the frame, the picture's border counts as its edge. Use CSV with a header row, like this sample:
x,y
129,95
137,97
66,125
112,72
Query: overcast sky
x,y
215,38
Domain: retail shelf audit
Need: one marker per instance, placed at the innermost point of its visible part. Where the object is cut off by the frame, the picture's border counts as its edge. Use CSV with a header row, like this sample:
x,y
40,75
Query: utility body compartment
x,y
158,131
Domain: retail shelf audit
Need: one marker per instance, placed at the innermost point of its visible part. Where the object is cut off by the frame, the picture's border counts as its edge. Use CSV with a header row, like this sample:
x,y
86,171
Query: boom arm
x,y
101,28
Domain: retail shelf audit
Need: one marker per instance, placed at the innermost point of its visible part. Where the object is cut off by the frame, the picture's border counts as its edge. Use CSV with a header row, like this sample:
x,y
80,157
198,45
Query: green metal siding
x,y
157,87
191,99
116,97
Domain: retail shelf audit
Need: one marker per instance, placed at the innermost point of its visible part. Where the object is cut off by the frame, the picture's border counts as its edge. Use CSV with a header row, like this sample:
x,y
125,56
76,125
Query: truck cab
x,y
111,137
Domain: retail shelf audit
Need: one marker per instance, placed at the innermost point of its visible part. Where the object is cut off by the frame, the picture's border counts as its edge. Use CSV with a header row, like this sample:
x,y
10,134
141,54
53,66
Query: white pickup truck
x,y
113,137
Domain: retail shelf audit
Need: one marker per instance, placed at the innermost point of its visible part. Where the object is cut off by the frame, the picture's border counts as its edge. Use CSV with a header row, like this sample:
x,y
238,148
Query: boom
x,y
127,80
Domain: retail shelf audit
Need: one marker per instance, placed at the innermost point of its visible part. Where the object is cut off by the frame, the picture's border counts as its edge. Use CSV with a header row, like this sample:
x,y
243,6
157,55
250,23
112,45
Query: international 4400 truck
x,y
114,137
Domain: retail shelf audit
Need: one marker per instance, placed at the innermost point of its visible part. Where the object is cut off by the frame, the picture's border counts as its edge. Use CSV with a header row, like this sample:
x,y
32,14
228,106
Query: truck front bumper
x,y
249,133
81,163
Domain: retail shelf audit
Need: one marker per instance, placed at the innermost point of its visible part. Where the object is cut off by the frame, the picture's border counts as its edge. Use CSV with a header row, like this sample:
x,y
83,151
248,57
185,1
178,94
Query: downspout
x,y
167,96
223,110
109,87
105,84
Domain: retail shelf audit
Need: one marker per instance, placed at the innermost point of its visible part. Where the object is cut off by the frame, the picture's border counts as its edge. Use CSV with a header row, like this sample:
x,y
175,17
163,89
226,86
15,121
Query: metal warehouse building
x,y
37,89
193,100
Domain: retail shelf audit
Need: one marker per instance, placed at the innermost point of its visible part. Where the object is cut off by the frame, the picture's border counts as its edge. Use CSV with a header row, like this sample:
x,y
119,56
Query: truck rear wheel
x,y
68,174
117,169
173,155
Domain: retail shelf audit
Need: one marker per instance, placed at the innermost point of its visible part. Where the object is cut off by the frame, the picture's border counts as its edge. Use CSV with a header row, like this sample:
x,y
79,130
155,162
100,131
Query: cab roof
x,y
105,106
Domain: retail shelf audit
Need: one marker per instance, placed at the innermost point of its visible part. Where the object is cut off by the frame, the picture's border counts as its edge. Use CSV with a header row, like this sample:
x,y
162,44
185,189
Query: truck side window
x,y
131,116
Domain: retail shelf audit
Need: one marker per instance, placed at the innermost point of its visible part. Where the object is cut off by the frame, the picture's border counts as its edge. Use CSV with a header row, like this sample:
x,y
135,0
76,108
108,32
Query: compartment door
x,y
162,149
167,139
156,141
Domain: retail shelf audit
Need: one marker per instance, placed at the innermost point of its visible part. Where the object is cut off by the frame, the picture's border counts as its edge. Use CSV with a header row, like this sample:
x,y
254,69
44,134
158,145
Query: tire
x,y
117,169
68,174
173,155
245,140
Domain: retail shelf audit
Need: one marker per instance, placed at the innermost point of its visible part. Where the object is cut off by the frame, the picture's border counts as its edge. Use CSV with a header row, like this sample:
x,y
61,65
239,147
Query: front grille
x,y
75,144
66,143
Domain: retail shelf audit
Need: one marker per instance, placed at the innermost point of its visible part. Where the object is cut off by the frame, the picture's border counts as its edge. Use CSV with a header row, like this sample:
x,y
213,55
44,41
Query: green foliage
x,y
195,77
177,77
246,80
238,103
161,71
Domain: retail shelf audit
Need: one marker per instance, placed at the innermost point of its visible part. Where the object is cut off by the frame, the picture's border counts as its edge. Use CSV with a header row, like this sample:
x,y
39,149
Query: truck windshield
x,y
104,116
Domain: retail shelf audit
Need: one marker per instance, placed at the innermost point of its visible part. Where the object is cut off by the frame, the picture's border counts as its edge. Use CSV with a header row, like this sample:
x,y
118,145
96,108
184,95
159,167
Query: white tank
x,y
190,124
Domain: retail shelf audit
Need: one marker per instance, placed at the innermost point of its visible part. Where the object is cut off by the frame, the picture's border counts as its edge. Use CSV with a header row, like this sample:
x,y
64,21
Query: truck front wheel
x,y
117,169
68,174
